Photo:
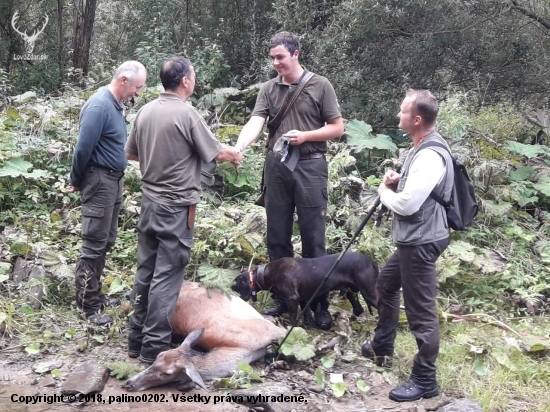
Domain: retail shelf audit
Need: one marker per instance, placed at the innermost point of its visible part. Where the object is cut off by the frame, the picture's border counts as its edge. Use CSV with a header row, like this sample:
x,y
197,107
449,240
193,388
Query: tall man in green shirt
x,y
313,119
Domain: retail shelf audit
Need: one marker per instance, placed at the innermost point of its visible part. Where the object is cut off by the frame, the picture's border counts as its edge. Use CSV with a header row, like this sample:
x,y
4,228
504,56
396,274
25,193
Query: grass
x,y
500,378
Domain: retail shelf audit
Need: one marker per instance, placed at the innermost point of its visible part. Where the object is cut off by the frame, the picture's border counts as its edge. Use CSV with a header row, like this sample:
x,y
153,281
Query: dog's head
x,y
242,286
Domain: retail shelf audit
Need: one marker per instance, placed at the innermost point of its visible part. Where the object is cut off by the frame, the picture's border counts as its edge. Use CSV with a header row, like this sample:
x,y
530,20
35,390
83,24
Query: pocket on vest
x,y
409,228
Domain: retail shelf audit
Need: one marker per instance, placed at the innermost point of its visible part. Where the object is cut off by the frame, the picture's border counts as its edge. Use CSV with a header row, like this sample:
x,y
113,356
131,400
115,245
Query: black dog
x,y
295,280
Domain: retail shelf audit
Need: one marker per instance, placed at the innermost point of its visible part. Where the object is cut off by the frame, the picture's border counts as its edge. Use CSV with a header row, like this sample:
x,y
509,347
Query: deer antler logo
x,y
29,40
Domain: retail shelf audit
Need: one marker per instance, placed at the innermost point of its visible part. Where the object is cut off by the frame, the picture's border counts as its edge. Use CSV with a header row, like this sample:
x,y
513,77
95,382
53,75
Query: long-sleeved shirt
x,y
102,136
426,171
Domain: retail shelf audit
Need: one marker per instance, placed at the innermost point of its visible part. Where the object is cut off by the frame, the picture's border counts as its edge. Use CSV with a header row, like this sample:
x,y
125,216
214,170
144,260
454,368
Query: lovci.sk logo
x,y
29,40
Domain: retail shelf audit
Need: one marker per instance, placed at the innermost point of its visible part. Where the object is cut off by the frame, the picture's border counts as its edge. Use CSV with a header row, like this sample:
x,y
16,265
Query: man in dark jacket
x,y
98,166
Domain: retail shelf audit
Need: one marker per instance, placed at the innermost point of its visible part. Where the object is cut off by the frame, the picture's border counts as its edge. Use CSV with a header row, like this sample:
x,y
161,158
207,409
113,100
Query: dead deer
x,y
225,328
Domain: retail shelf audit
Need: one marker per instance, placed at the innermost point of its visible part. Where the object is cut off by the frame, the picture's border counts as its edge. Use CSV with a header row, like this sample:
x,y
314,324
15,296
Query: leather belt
x,y
116,173
309,156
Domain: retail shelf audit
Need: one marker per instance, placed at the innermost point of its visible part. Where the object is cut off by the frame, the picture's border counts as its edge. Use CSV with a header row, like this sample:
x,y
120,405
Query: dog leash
x,y
357,232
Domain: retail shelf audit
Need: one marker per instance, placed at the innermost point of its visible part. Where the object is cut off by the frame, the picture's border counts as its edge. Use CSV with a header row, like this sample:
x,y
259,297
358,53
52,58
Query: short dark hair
x,y
173,70
424,105
287,39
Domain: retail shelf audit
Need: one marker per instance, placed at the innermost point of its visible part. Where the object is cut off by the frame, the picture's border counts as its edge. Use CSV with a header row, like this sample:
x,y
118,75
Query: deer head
x,y
174,365
29,40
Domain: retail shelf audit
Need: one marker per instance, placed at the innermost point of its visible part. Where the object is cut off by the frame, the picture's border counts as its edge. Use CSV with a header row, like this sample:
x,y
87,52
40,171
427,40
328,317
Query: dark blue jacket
x,y
102,136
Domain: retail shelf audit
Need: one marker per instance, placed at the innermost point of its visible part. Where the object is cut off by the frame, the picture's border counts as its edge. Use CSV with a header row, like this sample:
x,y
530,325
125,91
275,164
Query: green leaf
x,y
360,137
362,386
303,351
214,277
523,201
33,349
480,368
319,378
70,333
14,115
543,185
254,377
500,209
287,349
464,251
339,389
98,338
250,242
526,150
243,366
224,383
19,167
521,173
56,373
533,343
327,361
3,278
116,286
298,334
502,358
5,269
18,246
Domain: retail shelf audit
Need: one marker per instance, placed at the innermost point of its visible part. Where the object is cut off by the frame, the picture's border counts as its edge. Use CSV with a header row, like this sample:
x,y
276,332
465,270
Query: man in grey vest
x,y
421,234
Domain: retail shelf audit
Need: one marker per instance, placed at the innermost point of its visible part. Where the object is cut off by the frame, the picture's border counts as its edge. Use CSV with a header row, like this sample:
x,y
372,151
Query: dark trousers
x,y
165,239
101,195
413,269
303,190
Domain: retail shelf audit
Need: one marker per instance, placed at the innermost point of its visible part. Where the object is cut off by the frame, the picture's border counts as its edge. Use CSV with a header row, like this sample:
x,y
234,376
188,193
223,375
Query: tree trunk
x,y
60,51
83,16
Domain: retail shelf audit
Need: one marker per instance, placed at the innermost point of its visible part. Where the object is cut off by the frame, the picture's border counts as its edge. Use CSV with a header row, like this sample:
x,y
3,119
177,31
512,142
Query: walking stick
x,y
359,229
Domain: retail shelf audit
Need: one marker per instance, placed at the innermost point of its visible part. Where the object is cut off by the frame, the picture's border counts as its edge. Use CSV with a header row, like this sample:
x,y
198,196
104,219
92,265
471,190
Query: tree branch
x,y
530,14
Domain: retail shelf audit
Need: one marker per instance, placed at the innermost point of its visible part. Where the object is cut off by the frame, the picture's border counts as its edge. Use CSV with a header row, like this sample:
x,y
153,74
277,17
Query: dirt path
x,y
18,380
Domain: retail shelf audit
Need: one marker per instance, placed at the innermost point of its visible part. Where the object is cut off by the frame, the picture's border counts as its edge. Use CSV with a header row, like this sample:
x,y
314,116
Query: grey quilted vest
x,y
429,223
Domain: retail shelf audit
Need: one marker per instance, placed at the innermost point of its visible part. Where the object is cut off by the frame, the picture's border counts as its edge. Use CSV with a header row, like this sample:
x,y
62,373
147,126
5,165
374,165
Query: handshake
x,y
230,154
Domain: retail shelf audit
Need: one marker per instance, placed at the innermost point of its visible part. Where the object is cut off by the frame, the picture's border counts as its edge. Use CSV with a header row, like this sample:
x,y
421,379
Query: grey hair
x,y
130,69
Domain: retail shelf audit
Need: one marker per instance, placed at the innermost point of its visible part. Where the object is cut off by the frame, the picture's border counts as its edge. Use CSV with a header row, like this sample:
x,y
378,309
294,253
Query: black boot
x,y
278,309
105,301
413,391
100,319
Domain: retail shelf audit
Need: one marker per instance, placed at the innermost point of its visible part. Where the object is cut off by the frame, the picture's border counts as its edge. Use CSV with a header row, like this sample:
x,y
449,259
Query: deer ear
x,y
194,375
192,339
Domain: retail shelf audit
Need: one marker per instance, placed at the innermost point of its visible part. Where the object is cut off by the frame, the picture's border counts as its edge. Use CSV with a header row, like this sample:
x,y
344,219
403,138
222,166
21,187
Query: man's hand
x,y
296,137
72,189
381,189
229,154
391,178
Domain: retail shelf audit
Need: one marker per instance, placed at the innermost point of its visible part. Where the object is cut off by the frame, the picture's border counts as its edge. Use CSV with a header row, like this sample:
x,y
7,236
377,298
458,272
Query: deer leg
x,y
222,362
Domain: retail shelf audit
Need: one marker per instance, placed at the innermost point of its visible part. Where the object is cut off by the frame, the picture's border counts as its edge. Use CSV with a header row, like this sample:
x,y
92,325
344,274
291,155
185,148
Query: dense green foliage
x,y
485,61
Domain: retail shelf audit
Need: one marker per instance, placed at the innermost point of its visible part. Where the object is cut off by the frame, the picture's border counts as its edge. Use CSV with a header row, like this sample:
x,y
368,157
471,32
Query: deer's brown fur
x,y
226,329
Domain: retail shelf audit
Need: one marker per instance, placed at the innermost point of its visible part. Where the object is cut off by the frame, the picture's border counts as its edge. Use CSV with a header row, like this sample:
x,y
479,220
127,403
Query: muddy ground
x,y
18,378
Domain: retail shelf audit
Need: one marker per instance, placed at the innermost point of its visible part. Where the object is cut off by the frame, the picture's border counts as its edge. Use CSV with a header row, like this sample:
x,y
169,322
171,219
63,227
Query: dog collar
x,y
260,274
251,277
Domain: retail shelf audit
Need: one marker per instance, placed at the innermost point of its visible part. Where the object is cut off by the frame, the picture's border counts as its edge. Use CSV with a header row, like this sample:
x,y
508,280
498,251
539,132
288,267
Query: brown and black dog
x,y
295,280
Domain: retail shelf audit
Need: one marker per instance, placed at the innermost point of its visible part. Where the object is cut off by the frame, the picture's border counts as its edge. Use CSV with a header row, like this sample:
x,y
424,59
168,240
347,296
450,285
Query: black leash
x,y
357,232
